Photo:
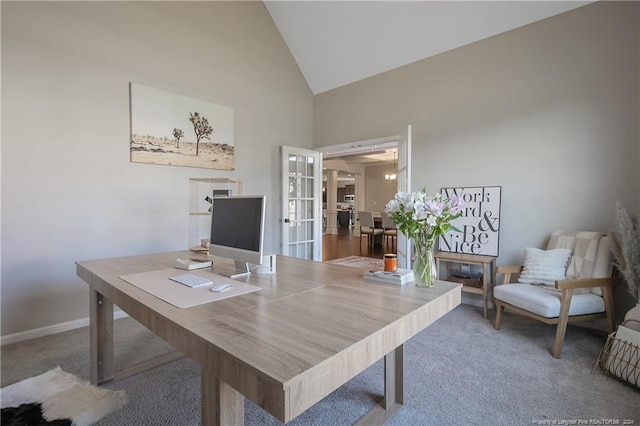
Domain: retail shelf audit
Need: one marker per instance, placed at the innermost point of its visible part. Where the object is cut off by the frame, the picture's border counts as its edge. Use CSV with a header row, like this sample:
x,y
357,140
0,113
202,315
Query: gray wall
x,y
548,111
378,191
69,191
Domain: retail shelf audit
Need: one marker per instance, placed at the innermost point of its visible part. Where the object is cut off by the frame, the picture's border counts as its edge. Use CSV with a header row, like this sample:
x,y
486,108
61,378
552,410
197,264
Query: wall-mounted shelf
x,y
199,207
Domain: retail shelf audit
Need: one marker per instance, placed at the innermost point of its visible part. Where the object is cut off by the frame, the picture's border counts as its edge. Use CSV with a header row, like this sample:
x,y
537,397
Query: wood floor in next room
x,y
344,244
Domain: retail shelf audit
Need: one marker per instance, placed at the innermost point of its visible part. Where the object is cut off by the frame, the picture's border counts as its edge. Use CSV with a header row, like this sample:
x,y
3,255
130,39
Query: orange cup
x,y
390,262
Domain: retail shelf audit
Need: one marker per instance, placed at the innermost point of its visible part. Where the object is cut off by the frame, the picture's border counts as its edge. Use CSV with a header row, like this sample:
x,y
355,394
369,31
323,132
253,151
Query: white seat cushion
x,y
545,301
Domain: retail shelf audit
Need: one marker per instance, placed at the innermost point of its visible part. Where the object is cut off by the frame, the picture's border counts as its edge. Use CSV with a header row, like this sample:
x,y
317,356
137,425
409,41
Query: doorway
x,y
364,182
337,157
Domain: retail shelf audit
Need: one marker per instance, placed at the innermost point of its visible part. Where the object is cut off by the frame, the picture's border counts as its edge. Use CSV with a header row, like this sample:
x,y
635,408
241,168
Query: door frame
x,y
360,147
315,190
377,144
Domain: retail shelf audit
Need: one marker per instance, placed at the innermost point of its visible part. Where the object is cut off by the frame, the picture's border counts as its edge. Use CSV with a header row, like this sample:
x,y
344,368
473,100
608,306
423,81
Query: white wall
x,y
548,111
69,191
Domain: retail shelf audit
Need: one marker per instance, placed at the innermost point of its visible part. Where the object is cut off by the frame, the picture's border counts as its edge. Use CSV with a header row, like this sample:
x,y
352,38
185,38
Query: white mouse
x,y
220,287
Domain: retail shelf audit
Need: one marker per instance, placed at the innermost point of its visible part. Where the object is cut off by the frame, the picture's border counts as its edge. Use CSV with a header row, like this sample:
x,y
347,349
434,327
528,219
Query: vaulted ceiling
x,y
338,42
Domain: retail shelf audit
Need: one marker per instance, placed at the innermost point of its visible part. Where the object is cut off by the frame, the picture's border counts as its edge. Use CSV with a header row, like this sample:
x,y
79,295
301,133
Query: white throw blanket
x,y
584,249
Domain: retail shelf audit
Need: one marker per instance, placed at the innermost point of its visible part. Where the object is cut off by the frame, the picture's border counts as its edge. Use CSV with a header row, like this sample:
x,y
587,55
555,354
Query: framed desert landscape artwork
x,y
175,130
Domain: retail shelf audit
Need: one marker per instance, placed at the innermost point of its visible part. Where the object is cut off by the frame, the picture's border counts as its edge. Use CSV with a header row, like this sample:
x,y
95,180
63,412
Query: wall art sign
x,y
176,130
479,224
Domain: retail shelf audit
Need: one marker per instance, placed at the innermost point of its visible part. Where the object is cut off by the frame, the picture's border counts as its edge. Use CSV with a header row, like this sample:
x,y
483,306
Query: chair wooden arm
x,y
587,283
507,270
567,287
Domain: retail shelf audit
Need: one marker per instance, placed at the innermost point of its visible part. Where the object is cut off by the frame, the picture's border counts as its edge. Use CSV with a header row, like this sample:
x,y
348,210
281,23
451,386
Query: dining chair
x,y
368,227
390,231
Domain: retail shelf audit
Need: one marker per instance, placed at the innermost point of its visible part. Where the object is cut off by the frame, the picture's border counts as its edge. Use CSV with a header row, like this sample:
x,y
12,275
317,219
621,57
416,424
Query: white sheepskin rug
x,y
57,398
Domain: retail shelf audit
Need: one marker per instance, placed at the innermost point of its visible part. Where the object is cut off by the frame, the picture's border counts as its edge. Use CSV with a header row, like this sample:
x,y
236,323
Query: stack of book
x,y
191,264
465,278
399,277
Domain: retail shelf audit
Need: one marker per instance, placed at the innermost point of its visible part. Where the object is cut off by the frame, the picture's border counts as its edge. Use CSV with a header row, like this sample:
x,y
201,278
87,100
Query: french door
x,y
301,203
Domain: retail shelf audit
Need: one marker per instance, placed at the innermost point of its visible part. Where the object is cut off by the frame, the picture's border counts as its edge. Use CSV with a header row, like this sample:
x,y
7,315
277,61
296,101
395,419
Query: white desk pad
x,y
158,284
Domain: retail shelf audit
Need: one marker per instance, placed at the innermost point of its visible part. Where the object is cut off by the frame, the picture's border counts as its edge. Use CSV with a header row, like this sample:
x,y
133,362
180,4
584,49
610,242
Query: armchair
x,y
550,291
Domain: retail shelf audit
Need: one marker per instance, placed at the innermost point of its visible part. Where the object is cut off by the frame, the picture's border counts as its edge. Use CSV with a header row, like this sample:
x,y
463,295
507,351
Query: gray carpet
x,y
458,371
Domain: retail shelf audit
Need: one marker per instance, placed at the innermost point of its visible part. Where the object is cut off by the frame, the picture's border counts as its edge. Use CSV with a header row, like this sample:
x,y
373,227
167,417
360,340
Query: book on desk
x,y
398,277
191,264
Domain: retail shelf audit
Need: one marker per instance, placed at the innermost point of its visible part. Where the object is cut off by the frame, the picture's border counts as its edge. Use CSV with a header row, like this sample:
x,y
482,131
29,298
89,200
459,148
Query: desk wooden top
x,y
311,328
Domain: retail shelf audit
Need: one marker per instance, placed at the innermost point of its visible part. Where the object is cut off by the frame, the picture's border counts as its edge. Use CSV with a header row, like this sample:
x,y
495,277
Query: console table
x,y
488,264
312,327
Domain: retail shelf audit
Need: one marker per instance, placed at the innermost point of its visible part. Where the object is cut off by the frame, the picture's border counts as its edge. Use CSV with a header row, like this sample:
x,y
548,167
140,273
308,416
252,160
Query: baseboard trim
x,y
475,300
51,329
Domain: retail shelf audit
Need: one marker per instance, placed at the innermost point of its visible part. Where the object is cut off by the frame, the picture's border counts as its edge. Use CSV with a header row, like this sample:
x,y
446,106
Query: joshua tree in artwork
x,y
178,133
201,128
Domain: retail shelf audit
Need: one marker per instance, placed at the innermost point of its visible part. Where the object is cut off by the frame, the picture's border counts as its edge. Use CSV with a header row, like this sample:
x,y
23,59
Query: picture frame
x,y
479,226
176,130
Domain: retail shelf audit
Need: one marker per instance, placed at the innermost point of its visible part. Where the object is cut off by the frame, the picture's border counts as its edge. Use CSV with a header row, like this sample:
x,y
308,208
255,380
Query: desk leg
x,y
101,338
393,390
220,403
394,378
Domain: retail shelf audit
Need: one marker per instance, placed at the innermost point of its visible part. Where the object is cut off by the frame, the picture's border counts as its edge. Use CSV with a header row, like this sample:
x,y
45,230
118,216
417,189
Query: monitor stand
x,y
242,270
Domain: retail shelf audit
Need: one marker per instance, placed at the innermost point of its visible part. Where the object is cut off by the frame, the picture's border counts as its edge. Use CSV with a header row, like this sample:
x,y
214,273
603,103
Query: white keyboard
x,y
191,280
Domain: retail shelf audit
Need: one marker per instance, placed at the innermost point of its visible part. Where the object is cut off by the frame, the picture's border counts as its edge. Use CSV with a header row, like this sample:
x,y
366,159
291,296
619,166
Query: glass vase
x,y
424,264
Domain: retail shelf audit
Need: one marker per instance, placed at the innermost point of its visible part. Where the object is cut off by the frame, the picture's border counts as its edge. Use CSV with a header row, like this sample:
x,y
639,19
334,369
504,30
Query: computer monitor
x,y
237,230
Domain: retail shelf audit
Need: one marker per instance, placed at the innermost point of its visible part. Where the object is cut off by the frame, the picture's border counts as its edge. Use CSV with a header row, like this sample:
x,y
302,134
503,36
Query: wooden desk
x,y
311,328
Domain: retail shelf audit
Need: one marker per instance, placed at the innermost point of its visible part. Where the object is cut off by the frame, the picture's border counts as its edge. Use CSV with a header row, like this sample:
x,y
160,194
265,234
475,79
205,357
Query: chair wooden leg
x,y
368,241
563,320
499,310
607,295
